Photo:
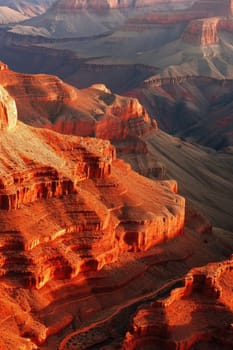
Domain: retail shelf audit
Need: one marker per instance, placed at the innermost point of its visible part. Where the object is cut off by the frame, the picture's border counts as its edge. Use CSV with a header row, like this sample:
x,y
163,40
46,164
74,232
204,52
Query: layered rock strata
x,y
202,32
205,31
84,239
98,214
46,101
204,318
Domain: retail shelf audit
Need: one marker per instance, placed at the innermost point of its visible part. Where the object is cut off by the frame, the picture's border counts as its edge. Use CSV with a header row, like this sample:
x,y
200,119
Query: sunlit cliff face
x,y
8,111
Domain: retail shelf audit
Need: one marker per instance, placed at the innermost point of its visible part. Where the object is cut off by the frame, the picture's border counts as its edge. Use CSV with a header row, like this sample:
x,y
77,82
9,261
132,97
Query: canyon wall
x,y
8,111
204,295
202,32
83,200
205,32
45,101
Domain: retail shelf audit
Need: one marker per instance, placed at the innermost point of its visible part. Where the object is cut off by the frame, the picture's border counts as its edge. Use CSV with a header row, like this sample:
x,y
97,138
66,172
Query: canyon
x,y
97,248
98,214
85,240
204,290
46,101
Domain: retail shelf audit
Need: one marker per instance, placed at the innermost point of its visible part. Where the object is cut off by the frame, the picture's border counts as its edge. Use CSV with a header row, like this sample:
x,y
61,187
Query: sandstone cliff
x,y
8,111
46,101
195,315
202,32
206,31
68,207
51,168
84,239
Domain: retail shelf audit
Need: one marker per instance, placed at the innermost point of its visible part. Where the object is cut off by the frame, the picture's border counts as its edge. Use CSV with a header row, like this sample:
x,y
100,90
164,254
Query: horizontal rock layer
x,y
89,112
204,318
84,212
205,31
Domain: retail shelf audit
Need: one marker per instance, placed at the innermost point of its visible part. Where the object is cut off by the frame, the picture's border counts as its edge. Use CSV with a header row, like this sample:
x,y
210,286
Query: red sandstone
x,y
84,239
199,314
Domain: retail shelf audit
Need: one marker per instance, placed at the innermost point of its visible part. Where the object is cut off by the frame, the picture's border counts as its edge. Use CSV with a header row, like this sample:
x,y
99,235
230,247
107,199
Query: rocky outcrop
x,y
3,66
84,240
204,317
46,101
206,31
202,32
98,214
8,111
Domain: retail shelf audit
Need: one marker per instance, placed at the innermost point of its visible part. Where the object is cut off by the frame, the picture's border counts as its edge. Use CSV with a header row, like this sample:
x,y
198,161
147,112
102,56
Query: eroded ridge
x,y
85,211
195,316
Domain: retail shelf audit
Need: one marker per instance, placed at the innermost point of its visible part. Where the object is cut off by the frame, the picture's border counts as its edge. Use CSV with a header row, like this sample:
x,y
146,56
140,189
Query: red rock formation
x,y
197,315
44,100
74,261
202,32
205,31
60,170
68,208
8,111
3,66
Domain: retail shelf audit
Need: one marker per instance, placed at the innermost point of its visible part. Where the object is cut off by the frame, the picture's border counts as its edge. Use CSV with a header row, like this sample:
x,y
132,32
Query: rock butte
x,y
50,167
205,31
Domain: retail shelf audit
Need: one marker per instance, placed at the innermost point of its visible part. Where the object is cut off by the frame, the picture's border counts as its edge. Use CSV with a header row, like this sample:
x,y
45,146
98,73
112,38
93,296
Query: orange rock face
x,y
195,316
205,31
202,32
8,112
84,240
68,207
75,176
46,101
